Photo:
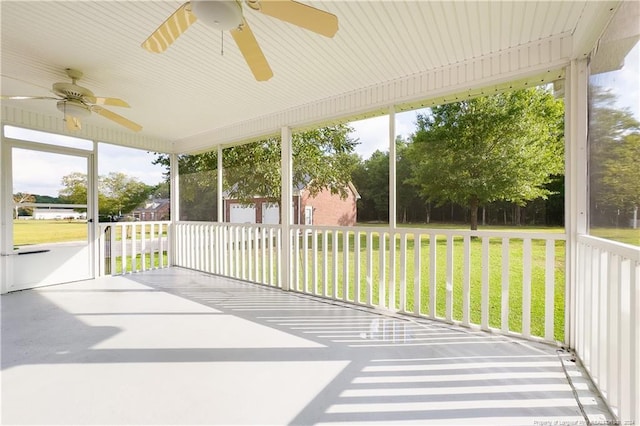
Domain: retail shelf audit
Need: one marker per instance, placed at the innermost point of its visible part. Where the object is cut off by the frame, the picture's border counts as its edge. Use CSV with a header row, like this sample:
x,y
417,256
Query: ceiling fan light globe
x,y
219,14
75,109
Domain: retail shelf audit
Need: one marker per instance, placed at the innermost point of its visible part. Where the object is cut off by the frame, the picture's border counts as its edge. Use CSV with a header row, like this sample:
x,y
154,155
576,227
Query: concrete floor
x,y
181,347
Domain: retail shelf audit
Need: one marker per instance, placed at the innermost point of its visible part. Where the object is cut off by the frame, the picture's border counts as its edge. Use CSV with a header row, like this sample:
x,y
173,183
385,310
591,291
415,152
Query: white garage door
x,y
242,213
270,214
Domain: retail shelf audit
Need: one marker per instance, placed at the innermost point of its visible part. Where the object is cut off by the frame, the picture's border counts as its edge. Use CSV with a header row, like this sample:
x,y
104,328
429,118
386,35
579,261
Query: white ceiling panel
x,y
201,87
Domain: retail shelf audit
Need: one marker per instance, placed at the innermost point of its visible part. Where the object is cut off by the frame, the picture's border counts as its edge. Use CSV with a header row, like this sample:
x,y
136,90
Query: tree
x,y
407,198
74,188
614,150
118,193
620,174
371,178
500,147
19,198
322,159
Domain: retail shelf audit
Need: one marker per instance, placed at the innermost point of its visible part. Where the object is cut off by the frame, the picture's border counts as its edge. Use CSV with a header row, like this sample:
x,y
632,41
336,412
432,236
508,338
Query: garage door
x,y
270,213
242,213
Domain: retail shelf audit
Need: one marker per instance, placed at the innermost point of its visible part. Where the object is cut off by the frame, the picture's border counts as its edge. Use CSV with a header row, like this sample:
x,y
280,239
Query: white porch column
x,y
392,169
221,217
6,215
392,210
92,200
576,195
174,189
286,199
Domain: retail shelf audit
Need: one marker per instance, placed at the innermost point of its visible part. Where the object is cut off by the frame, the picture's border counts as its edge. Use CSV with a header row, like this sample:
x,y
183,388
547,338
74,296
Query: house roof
x,y
153,205
400,54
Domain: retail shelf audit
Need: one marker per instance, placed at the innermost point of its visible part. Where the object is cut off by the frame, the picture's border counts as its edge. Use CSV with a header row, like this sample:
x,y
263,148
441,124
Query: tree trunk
x,y
473,204
517,214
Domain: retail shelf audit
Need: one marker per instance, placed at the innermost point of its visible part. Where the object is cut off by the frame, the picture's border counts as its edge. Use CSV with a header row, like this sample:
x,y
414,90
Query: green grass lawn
x,y
27,232
330,286
150,262
623,235
48,231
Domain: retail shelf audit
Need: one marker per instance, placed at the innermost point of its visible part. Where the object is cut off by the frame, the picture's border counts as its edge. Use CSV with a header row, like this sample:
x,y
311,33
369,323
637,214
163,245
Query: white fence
x,y
133,246
508,282
607,305
248,252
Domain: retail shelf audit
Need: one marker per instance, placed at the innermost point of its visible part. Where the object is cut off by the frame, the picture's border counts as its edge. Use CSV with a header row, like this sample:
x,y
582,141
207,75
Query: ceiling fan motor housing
x,y
71,91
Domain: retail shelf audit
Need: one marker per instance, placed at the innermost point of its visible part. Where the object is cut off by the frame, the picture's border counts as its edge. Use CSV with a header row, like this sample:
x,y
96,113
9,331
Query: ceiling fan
x,y
228,15
75,101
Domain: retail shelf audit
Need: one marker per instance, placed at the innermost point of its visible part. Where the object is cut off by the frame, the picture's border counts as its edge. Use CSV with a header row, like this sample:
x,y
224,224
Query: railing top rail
x,y
228,224
622,249
146,222
491,233
534,235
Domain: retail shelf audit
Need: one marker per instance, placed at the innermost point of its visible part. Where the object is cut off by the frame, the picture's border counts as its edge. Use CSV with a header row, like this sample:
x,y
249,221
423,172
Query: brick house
x,y
324,208
155,209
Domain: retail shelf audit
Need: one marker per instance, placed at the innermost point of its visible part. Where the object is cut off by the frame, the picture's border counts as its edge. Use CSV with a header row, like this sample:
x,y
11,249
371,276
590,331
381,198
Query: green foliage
x,y
371,177
74,188
21,197
323,159
47,199
500,147
614,144
120,194
620,186
117,193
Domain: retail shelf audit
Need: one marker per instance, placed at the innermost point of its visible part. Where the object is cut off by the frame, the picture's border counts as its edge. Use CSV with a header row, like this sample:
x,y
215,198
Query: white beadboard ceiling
x,y
192,97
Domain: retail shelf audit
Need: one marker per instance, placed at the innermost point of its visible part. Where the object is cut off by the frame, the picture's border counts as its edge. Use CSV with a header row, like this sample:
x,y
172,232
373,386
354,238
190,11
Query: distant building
x,y
154,209
324,208
57,214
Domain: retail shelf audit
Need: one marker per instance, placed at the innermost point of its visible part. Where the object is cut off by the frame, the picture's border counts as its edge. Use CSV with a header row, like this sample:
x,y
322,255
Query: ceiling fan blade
x,y
72,123
250,49
117,118
302,15
170,29
20,98
106,101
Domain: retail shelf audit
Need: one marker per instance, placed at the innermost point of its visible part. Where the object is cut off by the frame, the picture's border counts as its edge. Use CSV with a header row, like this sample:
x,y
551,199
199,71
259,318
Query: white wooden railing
x,y
607,321
508,282
247,252
125,247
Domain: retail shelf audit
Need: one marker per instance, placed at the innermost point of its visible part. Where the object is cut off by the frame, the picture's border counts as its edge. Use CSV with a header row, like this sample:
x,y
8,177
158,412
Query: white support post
x,y
221,217
392,208
92,203
6,213
286,214
576,178
392,169
175,207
